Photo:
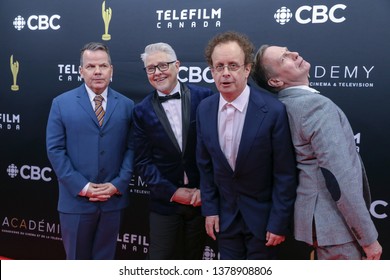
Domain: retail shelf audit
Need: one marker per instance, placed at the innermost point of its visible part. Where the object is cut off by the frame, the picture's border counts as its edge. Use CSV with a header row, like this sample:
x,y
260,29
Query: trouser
x,y
180,236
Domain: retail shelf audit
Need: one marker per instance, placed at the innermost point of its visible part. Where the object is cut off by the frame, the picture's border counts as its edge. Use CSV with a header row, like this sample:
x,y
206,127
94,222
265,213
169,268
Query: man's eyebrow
x,y
283,54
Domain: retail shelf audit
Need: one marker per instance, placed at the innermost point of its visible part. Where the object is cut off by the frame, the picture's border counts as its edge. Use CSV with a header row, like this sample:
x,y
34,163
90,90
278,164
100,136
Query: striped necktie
x,y
99,111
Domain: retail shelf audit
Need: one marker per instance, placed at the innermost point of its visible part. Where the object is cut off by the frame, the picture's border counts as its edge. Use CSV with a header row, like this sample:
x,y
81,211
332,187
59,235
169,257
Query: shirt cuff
x,y
83,192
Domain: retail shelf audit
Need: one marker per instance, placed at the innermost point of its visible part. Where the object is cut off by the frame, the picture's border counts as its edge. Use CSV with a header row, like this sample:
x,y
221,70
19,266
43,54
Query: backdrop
x,y
344,40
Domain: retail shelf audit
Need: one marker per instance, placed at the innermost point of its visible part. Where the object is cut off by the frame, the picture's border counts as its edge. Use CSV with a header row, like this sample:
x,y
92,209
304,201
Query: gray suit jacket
x,y
331,179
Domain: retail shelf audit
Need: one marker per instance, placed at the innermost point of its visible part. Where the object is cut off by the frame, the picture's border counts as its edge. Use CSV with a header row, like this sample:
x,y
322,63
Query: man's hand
x,y
373,251
274,239
183,196
196,199
212,226
101,192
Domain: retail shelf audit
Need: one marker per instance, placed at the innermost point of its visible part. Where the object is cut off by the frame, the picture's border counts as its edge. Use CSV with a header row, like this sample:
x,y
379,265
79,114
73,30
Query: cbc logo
x,y
194,74
283,15
208,253
37,22
377,209
311,14
30,172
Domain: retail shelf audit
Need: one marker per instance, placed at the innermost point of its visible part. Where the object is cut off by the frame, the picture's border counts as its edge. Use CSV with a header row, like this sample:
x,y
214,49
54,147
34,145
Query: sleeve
x,y
334,147
160,187
209,191
67,175
121,182
284,176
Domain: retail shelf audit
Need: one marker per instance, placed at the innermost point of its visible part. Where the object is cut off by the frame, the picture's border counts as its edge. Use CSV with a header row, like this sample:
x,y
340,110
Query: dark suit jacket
x,y
158,157
81,151
263,185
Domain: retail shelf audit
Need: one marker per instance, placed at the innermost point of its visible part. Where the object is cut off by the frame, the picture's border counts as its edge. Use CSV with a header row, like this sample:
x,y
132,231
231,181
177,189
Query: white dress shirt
x,y
172,110
231,118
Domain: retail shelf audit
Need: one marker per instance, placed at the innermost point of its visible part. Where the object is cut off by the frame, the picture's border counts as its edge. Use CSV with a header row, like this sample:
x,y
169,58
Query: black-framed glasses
x,y
230,67
162,66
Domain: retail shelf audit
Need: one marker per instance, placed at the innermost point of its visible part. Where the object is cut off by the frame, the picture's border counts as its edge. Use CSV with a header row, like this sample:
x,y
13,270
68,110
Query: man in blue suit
x,y
245,157
89,145
165,142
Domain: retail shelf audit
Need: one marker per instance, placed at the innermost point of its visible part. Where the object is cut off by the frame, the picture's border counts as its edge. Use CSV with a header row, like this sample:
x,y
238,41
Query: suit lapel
x,y
185,113
212,126
255,114
112,102
158,108
85,103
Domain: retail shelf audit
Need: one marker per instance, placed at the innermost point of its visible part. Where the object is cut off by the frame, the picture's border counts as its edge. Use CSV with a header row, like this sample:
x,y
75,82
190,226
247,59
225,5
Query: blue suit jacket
x,y
80,151
263,185
158,157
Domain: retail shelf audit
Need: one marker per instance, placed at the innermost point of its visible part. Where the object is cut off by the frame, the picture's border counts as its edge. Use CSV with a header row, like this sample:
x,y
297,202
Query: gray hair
x,y
159,47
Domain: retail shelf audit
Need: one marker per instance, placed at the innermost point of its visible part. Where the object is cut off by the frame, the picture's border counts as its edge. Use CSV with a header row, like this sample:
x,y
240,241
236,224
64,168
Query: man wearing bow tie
x,y
165,141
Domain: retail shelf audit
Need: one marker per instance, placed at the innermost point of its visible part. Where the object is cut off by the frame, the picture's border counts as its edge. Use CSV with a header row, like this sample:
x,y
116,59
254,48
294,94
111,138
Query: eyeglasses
x,y
163,66
230,67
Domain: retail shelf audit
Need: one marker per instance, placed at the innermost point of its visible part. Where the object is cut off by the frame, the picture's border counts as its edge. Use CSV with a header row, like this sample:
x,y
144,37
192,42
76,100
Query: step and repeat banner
x,y
346,42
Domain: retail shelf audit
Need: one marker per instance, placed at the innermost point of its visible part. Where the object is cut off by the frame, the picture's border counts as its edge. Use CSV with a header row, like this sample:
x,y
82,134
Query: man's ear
x,y
274,82
81,72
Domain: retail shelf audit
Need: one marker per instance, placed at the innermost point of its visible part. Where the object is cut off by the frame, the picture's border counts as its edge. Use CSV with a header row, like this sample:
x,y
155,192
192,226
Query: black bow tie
x,y
167,97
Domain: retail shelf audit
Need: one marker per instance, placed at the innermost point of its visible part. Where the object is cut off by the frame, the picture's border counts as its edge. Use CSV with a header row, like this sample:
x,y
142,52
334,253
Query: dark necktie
x,y
99,111
167,97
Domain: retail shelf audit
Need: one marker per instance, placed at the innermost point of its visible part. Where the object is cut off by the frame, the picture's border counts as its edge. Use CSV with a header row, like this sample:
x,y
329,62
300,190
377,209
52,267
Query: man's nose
x,y
295,55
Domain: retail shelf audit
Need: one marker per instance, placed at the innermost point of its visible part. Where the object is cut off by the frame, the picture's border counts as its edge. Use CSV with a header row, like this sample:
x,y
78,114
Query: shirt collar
x,y
302,87
92,95
175,89
239,103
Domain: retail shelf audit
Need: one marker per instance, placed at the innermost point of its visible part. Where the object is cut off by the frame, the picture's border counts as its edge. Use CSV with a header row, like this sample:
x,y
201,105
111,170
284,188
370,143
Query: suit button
x,y
102,152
